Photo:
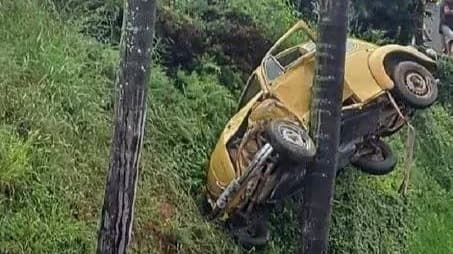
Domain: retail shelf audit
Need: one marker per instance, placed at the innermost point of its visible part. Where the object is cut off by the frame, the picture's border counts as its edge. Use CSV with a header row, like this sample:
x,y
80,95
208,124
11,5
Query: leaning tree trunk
x,y
129,122
325,125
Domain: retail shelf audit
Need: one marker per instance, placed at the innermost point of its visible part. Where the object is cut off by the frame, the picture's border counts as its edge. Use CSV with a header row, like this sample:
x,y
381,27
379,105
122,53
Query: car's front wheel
x,y
290,141
414,84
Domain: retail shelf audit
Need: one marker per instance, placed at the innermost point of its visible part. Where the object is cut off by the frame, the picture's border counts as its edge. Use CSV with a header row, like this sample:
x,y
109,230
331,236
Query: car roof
x,y
352,45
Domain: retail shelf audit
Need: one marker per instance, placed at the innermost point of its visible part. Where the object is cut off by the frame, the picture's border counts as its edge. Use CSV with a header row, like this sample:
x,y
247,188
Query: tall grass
x,y
57,97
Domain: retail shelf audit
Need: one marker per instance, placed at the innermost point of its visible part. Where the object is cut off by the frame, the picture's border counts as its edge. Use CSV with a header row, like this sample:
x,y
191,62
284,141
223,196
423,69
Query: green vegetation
x,y
55,109
393,20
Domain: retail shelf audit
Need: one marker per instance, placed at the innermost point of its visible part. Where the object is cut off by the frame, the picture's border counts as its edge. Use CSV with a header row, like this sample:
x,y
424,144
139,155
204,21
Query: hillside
x,y
56,104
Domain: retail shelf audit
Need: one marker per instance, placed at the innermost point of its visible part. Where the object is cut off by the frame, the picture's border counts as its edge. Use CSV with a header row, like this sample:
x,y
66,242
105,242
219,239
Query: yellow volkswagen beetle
x,y
263,152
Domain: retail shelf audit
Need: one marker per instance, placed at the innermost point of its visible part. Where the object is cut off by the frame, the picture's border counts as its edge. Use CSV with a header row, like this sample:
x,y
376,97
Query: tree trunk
x,y
419,15
129,122
325,125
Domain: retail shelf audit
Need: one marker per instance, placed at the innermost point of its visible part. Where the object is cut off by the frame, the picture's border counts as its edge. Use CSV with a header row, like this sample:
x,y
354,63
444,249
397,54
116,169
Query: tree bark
x,y
419,15
129,121
325,125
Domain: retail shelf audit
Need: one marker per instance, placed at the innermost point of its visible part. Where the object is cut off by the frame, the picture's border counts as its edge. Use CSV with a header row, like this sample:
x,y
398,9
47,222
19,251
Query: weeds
x,y
55,115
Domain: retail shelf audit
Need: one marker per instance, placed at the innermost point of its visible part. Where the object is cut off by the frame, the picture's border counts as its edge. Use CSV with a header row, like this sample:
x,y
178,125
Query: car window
x,y
275,66
251,89
288,57
272,68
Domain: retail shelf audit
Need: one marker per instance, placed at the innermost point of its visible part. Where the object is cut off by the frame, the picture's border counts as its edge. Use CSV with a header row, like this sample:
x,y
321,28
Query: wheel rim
x,y
375,153
292,135
418,84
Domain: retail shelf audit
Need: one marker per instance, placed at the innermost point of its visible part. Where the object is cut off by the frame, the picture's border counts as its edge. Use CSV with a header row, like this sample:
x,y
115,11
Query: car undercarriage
x,y
266,175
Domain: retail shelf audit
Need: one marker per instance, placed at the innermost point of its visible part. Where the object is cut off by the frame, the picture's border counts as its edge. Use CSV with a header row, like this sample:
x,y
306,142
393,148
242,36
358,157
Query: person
x,y
446,23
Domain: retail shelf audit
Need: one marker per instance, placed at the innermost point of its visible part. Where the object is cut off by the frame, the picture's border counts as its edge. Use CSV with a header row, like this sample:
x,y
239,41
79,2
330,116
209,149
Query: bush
x,y
445,75
234,35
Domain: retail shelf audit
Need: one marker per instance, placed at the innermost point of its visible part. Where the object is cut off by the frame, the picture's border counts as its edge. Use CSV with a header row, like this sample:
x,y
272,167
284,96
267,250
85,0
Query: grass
x,y
45,106
55,118
432,206
58,88
14,160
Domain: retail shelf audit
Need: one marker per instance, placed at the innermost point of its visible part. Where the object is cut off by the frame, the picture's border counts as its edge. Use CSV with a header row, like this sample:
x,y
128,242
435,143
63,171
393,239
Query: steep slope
x,y
55,111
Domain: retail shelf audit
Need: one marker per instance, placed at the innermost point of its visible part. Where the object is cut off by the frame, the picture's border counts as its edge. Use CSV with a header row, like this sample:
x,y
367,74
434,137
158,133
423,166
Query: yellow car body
x,y
366,79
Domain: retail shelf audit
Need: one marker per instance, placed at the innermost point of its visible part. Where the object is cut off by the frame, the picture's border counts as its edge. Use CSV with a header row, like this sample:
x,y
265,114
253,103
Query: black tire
x,y
414,84
373,166
256,236
290,141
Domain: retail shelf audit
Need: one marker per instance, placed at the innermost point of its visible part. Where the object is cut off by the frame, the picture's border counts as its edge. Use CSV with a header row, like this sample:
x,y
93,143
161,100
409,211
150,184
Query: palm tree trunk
x,y
325,125
129,122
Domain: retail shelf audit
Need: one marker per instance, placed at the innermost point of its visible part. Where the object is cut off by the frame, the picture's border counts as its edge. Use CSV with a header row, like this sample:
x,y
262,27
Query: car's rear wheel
x,y
375,158
414,84
290,141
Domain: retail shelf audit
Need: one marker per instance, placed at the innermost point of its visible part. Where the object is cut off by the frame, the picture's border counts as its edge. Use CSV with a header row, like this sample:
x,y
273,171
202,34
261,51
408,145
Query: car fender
x,y
377,60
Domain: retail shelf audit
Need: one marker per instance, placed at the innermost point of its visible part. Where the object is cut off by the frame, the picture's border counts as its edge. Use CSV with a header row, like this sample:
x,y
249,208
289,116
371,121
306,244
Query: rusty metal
x,y
233,188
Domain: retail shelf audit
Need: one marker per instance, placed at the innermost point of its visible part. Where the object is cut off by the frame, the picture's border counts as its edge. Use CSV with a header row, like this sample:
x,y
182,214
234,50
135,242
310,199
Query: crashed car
x,y
264,151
